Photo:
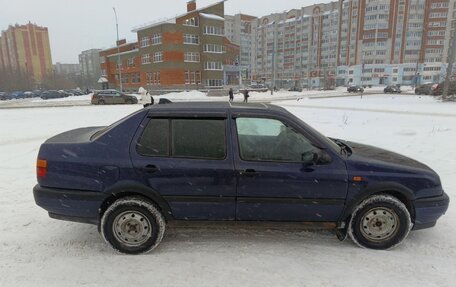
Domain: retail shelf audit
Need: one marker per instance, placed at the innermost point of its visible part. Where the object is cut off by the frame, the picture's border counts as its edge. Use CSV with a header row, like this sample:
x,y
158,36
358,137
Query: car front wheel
x,y
380,222
133,225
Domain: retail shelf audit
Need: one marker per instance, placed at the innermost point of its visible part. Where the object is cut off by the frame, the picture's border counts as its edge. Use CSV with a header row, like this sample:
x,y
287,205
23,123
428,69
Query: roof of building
x,y
173,19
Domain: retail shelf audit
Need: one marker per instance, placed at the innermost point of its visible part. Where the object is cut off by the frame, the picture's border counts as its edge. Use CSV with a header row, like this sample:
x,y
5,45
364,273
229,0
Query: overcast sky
x,y
80,25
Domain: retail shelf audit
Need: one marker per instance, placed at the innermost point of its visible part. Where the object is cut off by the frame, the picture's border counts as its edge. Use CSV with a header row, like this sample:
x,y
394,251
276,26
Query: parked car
x,y
355,89
17,95
4,96
438,90
425,89
392,90
29,94
112,97
295,89
230,162
51,95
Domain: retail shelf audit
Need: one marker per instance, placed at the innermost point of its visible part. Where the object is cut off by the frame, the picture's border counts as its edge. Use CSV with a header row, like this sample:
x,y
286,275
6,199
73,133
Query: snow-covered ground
x,y
198,96
38,251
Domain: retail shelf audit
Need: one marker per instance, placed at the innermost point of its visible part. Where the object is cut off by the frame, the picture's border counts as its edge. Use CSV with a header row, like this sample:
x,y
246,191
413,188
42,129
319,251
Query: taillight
x,y
41,168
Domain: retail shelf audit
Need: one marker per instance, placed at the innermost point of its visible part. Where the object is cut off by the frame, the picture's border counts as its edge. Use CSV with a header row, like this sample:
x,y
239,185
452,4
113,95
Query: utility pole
x,y
449,71
119,63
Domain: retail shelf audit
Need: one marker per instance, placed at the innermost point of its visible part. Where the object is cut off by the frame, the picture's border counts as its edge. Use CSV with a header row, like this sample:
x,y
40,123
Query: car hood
x,y
376,156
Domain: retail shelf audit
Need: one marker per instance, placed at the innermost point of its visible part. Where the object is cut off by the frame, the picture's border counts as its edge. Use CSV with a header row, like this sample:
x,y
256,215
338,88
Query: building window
x,y
136,78
153,78
156,39
214,83
192,22
216,66
145,59
158,57
125,78
131,62
103,73
213,48
192,77
212,30
191,57
191,39
144,42
102,60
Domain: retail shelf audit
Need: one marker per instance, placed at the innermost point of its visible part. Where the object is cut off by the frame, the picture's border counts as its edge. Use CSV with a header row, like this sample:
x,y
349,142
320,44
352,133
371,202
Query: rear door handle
x,y
249,172
151,168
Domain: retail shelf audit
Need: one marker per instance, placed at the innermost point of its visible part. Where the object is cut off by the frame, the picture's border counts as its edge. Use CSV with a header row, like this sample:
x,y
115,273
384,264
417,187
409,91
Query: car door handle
x,y
151,168
249,172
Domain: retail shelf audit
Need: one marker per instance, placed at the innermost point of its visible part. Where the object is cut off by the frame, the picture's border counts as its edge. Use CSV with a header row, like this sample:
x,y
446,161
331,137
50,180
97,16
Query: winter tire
x,y
133,225
380,222
101,102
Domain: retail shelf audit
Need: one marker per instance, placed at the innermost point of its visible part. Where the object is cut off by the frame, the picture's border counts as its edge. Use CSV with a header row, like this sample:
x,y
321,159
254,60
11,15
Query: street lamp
x,y
119,63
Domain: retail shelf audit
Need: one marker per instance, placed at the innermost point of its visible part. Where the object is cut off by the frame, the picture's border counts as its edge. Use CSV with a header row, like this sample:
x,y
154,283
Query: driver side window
x,y
263,139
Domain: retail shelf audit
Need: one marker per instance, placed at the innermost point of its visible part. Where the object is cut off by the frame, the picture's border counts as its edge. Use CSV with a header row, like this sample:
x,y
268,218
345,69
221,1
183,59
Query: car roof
x,y
214,106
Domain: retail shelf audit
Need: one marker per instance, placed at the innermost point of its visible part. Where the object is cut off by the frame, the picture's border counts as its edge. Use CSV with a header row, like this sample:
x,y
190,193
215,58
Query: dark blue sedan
x,y
230,162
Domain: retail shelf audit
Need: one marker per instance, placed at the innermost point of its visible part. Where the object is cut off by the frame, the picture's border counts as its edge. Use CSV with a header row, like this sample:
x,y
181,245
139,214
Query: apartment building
x,y
238,29
89,61
363,42
26,48
188,51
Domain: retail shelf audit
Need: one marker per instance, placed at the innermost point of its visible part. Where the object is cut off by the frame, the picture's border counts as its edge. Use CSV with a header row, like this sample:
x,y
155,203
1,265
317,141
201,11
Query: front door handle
x,y
151,168
249,172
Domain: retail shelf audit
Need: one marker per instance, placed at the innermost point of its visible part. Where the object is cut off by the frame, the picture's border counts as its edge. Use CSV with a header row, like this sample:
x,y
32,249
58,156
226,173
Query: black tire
x,y
145,223
380,222
101,102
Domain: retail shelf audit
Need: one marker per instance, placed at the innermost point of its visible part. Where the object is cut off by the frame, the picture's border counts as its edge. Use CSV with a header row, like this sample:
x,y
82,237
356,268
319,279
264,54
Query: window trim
x,y
205,116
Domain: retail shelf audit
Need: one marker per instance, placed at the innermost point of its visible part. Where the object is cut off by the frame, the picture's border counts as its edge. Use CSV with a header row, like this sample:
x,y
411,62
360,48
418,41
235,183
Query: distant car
x,y
51,95
17,95
4,96
355,89
392,90
29,94
112,97
425,89
295,89
230,162
438,91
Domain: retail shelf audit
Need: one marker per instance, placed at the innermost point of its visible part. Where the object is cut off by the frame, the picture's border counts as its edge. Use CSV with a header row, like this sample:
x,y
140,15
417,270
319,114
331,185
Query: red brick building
x,y
189,51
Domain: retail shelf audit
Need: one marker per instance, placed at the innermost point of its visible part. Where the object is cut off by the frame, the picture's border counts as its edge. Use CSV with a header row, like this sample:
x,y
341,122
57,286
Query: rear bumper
x,y
428,210
70,205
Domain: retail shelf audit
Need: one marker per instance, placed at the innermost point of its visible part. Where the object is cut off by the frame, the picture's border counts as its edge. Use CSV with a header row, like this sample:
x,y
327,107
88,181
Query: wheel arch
x,y
131,188
402,193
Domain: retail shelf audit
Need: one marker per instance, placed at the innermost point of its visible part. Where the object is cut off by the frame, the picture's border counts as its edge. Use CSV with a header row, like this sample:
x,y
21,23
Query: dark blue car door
x,y
276,178
188,161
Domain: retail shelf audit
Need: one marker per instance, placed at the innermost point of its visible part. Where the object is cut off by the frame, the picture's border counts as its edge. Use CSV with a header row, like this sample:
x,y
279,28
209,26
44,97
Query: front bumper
x,y
70,205
428,210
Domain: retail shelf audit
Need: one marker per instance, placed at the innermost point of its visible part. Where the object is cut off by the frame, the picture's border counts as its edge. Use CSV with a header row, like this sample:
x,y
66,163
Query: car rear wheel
x,y
101,102
380,222
133,225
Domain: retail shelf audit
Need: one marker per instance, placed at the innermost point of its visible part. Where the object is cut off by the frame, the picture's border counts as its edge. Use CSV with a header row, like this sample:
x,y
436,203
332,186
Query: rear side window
x,y
155,138
189,138
198,138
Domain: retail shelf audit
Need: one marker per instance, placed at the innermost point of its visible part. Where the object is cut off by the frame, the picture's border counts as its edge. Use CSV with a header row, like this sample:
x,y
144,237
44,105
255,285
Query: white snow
x,y
38,251
212,16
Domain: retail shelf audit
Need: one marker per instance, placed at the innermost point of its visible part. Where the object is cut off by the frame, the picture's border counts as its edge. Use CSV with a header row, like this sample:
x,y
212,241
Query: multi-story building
x,y
188,51
67,69
368,42
89,62
238,29
130,66
26,48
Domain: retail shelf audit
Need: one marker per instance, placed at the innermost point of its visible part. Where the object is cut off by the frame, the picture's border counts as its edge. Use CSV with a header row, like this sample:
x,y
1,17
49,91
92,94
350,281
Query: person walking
x,y
246,96
146,99
230,93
